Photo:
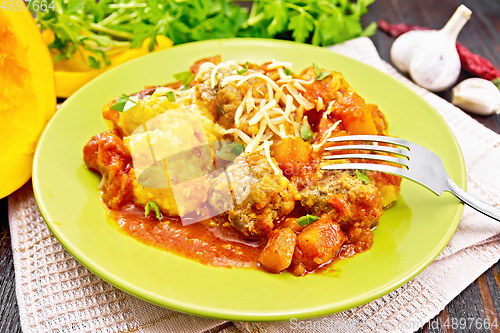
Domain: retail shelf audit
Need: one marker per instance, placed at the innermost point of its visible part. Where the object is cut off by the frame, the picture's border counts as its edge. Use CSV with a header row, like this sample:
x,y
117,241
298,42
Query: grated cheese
x,y
260,114
239,133
298,97
256,140
239,112
267,152
327,135
275,64
299,86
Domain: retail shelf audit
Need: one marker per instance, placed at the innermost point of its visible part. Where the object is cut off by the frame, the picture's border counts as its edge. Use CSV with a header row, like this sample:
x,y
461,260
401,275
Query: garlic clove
x,y
477,95
435,72
404,47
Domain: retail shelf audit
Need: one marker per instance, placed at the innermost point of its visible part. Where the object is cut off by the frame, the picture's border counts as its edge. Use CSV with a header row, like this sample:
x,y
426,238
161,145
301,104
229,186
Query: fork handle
x,y
477,204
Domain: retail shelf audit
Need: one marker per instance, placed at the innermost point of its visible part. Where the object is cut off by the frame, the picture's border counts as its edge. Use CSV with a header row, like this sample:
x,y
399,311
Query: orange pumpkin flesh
x,y
27,96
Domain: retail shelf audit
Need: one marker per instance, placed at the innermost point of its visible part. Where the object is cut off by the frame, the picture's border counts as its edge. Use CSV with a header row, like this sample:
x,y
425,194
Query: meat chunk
x,y
259,195
319,242
344,198
278,253
106,154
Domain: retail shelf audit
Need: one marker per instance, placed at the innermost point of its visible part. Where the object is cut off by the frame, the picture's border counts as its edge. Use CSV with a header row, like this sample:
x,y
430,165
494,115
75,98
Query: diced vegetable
x,y
278,253
320,241
292,154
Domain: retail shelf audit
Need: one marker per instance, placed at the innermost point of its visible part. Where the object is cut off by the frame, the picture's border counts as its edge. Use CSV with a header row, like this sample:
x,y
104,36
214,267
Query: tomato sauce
x,y
204,242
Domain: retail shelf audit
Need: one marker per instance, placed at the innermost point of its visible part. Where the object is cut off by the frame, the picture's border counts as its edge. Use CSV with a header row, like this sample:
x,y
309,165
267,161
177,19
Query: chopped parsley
x,y
305,132
185,78
307,219
361,174
319,74
123,103
155,207
287,71
170,96
244,69
231,151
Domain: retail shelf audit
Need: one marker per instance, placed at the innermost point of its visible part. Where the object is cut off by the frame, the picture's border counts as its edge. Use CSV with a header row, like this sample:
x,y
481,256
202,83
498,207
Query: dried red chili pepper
x,y
471,62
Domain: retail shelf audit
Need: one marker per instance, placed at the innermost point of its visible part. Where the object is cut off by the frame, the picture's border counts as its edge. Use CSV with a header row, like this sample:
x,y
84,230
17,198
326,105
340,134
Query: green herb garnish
x,y
287,71
361,174
94,63
231,151
122,104
94,27
170,96
155,207
185,78
244,69
307,219
305,132
319,74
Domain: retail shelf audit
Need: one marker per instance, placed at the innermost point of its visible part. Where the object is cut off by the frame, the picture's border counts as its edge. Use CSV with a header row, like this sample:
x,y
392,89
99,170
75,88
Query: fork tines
x,y
401,153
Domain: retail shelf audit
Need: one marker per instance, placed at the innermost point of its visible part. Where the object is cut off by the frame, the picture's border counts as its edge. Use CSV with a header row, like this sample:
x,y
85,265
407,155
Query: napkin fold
x,y
56,293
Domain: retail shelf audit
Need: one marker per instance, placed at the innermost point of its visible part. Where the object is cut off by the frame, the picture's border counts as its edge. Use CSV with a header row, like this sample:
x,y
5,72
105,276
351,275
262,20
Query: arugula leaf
x,y
170,96
306,219
319,74
305,132
154,205
185,78
244,69
123,103
361,174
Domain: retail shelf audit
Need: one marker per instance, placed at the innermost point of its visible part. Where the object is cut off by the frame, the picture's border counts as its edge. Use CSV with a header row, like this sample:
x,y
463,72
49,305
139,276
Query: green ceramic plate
x,y
410,234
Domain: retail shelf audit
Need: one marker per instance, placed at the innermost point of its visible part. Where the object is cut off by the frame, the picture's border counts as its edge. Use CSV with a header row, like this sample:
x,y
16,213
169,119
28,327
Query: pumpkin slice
x,y
27,95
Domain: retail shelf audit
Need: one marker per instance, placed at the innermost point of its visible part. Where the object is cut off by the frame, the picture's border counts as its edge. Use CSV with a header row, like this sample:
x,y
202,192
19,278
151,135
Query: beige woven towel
x,y
57,294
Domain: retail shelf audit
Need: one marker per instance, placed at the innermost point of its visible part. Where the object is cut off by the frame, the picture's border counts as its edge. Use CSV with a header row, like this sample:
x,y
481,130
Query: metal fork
x,y
416,163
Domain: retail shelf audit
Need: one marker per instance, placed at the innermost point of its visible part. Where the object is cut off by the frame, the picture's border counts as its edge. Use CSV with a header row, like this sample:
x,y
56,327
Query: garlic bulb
x,y
430,56
476,95
403,47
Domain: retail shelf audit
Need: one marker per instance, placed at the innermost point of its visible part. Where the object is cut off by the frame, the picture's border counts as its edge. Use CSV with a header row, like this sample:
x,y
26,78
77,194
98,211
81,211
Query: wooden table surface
x,y
481,35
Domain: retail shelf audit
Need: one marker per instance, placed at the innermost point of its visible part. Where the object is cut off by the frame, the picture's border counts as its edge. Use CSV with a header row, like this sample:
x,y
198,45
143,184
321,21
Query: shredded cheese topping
x,y
271,108
326,136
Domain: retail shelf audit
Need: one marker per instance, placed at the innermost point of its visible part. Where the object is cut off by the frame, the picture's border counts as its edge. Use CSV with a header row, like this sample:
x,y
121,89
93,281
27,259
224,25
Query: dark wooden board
x,y
481,300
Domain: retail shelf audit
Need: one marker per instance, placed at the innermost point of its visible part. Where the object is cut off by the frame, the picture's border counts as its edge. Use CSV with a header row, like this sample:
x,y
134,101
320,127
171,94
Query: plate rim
x,y
229,315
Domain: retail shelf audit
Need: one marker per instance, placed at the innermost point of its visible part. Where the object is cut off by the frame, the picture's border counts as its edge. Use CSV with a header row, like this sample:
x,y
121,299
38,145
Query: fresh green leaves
x,y
154,205
318,22
307,219
361,174
97,26
185,78
170,96
301,24
305,132
319,74
231,151
244,69
123,103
